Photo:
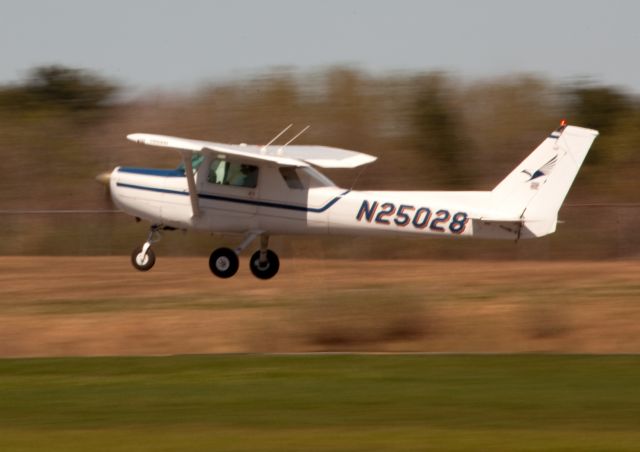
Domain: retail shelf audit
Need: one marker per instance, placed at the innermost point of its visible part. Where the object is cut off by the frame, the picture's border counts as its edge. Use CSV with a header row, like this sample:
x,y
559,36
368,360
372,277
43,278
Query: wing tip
x,y
136,137
581,130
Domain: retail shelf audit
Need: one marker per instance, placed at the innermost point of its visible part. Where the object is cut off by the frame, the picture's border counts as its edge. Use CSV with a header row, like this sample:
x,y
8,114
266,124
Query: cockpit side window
x,y
235,174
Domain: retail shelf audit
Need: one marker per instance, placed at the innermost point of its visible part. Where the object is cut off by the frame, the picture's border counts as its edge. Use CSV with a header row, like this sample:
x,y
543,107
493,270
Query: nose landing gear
x,y
143,260
143,257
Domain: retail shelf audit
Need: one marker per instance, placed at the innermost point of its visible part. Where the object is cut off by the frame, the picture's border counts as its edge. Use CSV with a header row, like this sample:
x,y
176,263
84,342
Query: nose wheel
x,y
143,261
143,257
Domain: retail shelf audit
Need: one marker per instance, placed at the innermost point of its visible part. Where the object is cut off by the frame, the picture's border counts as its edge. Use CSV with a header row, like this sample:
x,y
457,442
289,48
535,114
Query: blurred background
x,y
449,97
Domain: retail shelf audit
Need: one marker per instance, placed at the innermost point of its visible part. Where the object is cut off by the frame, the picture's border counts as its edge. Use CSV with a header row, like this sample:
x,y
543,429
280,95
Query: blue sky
x,y
178,44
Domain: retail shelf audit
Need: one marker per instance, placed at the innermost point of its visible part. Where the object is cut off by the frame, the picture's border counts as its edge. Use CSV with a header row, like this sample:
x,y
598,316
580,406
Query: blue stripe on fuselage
x,y
252,202
153,171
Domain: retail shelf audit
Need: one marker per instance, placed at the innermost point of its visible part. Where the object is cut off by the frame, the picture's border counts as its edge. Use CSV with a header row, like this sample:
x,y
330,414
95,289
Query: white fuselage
x,y
272,207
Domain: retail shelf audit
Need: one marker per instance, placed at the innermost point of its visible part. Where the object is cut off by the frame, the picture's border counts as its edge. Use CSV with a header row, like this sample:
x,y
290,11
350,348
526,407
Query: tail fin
x,y
535,190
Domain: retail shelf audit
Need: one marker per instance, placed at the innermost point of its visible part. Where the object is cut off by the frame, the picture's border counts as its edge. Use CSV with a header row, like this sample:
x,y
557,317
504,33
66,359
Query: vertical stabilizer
x,y
536,189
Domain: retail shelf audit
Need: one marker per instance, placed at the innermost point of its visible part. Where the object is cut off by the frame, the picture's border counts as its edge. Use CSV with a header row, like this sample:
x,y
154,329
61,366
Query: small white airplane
x,y
260,191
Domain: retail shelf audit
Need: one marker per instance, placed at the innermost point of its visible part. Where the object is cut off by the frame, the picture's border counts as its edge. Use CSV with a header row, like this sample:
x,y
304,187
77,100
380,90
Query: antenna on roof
x,y
292,140
263,149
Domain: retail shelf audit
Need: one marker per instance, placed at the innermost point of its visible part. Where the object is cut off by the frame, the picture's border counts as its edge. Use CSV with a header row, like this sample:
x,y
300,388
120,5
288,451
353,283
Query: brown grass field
x,y
85,306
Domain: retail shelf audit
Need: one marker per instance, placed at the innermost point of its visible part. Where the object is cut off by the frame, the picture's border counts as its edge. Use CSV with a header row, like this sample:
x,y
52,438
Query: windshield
x,y
196,161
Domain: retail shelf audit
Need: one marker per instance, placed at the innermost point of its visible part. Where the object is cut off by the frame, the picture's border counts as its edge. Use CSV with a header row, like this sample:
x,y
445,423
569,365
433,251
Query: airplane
x,y
262,191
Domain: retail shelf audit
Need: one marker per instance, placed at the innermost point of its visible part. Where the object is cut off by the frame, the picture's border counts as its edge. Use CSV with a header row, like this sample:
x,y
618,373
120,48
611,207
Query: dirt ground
x,y
57,306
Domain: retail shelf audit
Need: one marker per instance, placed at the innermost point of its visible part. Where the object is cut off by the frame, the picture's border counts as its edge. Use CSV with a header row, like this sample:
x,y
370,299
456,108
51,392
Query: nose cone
x,y
104,178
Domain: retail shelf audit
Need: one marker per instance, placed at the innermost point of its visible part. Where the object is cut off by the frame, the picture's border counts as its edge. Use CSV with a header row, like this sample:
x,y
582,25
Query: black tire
x,y
267,271
141,264
224,263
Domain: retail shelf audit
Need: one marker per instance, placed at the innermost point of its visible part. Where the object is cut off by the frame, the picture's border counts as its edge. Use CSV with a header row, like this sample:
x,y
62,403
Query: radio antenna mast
x,y
281,149
263,149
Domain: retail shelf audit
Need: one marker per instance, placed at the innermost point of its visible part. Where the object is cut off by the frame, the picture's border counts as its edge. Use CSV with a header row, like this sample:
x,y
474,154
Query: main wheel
x,y
266,270
223,263
142,262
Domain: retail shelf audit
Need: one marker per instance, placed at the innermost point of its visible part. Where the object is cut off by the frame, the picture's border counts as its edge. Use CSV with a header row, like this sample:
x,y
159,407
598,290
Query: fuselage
x,y
278,202
270,190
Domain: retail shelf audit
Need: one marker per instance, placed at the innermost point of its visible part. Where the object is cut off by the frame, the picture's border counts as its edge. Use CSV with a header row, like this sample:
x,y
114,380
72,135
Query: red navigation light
x,y
563,123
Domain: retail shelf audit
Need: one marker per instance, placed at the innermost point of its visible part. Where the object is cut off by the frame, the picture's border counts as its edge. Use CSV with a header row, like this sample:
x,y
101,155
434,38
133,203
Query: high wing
x,y
322,156
294,155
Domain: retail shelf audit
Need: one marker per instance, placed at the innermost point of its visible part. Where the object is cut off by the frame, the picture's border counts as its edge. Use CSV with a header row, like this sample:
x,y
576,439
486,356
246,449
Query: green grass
x,y
313,403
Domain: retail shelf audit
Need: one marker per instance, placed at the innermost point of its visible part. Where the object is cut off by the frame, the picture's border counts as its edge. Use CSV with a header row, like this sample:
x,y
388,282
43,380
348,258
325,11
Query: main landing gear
x,y
264,263
223,262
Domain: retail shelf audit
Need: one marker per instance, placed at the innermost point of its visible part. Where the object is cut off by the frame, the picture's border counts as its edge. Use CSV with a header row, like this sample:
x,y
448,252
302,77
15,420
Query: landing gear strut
x,y
143,257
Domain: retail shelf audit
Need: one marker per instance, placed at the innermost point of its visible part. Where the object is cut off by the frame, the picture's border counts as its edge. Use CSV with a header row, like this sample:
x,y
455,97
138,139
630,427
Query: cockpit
x,y
224,172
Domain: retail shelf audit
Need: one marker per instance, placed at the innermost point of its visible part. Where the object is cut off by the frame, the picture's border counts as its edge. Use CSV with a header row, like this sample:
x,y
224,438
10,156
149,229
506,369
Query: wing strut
x,y
191,182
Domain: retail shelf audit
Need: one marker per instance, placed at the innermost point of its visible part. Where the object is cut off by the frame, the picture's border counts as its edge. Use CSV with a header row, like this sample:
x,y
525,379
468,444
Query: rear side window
x,y
314,179
223,172
291,177
304,178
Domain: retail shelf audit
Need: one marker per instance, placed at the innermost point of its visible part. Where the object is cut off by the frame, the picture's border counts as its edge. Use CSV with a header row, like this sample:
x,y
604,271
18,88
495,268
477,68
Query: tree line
x,y
61,126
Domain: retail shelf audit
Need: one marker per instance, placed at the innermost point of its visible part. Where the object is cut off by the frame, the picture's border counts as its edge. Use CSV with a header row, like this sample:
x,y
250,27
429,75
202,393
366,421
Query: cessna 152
x,y
260,191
